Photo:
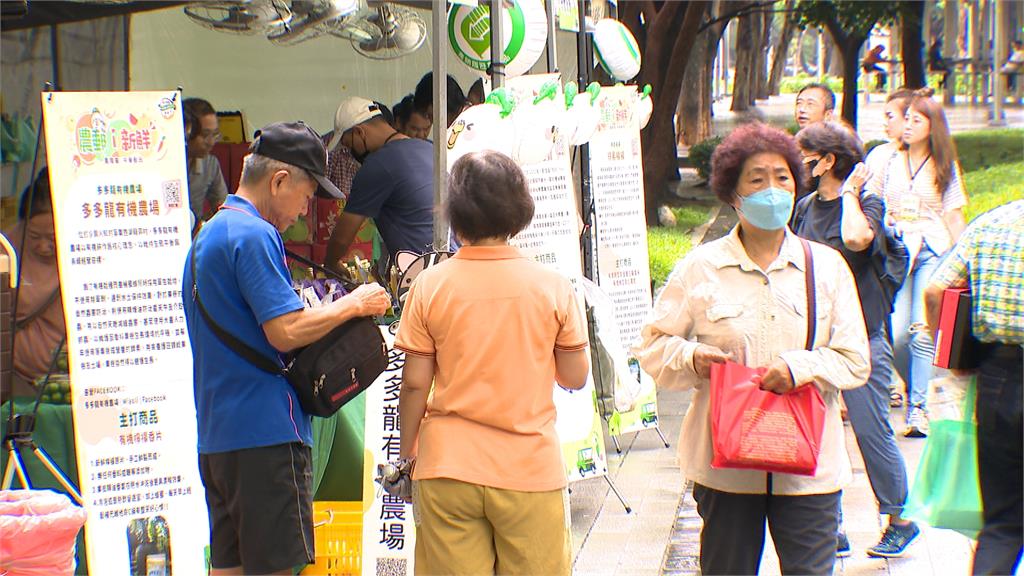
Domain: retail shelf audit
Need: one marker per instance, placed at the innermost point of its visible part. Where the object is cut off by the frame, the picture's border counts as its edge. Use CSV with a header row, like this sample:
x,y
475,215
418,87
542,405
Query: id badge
x,y
910,207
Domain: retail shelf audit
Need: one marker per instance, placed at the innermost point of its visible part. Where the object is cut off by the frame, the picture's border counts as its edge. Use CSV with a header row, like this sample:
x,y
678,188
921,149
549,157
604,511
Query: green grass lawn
x,y
993,165
991,187
986,148
667,245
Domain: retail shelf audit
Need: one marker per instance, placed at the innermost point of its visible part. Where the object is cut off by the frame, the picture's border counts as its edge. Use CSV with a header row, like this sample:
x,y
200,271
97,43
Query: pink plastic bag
x,y
38,529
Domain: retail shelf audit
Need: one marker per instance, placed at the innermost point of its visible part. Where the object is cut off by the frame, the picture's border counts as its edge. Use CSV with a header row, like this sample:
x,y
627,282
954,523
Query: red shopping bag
x,y
757,430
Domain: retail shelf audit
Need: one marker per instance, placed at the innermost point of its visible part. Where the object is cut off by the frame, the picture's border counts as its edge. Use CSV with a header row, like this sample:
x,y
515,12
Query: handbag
x,y
325,374
759,430
946,492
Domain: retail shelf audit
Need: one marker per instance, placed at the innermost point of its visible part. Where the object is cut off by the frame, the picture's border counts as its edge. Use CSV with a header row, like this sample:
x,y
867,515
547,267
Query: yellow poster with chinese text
x,y
119,188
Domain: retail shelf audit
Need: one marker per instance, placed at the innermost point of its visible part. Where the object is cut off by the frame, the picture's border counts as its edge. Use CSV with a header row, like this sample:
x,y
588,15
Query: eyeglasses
x,y
211,136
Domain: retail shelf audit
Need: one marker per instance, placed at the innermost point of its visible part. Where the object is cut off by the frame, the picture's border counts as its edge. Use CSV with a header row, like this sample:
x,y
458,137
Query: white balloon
x,y
587,118
616,49
479,127
536,128
643,109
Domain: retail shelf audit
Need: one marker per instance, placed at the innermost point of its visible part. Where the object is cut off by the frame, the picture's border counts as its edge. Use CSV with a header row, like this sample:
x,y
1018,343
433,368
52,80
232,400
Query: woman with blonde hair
x,y
924,197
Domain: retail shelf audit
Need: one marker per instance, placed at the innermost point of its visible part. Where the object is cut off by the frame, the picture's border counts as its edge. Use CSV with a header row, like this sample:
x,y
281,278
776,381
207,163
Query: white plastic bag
x,y
626,388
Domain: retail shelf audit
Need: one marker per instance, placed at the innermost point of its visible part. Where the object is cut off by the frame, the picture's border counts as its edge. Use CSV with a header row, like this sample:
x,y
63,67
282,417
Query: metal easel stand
x,y
584,58
618,449
19,436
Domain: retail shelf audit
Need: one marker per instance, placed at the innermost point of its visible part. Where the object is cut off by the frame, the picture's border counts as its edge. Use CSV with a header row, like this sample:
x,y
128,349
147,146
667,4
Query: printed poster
x,y
623,272
389,532
552,238
119,188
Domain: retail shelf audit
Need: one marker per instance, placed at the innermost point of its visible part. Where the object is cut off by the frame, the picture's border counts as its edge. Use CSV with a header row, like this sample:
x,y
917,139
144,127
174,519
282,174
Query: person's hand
x,y
855,181
704,356
371,299
777,379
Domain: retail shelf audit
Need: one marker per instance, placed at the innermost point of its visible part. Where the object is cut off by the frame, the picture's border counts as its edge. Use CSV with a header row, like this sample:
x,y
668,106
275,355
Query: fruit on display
x,y
56,390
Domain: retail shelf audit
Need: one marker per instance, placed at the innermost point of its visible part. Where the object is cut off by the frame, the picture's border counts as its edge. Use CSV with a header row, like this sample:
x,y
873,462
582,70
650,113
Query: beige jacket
x,y
718,296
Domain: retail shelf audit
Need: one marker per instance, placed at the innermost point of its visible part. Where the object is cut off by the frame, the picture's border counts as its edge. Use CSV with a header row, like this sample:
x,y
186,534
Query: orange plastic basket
x,y
338,536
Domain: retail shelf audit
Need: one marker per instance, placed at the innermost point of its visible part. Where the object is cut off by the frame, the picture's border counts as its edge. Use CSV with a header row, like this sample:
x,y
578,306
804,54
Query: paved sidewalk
x,y
662,534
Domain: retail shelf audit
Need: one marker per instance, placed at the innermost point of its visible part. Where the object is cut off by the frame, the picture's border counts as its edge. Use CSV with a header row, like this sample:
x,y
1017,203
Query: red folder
x,y
955,345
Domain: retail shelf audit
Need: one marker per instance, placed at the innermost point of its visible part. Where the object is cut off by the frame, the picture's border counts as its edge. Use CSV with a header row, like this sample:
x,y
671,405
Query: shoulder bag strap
x,y
250,354
812,298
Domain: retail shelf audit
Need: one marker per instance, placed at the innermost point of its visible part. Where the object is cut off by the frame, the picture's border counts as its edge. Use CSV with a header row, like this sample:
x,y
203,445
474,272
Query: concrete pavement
x,y
662,534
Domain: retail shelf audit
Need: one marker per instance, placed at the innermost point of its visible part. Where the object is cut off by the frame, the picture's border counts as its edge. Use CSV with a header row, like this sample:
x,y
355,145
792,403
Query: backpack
x,y
894,267
893,264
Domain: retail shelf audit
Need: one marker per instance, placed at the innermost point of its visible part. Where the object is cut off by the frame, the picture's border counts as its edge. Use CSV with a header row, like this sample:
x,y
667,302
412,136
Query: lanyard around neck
x,y
913,173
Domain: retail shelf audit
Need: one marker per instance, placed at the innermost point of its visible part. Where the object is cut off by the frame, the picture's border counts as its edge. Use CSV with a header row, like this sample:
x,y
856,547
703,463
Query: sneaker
x,y
917,424
842,546
894,541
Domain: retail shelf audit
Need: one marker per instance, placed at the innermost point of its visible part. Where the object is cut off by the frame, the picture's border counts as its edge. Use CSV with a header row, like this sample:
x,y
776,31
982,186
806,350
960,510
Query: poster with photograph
x,y
120,202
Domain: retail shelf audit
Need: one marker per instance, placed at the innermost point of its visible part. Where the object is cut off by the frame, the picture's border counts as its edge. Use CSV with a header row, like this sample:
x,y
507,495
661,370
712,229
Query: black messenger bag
x,y
325,374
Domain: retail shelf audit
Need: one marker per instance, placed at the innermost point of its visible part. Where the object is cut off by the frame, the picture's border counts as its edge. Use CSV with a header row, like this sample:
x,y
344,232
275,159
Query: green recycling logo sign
x,y
469,32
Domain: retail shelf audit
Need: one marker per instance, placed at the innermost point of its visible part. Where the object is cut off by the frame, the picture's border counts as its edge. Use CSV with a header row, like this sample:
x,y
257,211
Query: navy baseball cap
x,y
299,145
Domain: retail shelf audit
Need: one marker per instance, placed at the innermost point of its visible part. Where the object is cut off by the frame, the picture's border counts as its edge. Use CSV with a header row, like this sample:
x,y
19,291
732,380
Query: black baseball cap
x,y
299,145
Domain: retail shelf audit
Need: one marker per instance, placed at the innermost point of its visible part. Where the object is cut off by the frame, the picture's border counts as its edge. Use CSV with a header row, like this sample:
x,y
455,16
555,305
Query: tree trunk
x,y
696,99
671,34
850,54
782,49
912,43
742,90
764,44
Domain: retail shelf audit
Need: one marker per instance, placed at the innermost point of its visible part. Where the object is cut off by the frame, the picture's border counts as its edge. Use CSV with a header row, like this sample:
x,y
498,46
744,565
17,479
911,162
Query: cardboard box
x,y
302,230
299,270
327,211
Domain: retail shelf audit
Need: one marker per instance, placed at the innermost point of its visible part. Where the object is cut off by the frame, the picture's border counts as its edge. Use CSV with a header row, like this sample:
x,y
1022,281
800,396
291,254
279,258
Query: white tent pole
x,y
440,131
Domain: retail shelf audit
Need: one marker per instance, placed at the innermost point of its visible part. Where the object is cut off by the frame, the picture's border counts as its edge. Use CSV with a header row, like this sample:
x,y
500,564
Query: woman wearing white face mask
x,y
744,298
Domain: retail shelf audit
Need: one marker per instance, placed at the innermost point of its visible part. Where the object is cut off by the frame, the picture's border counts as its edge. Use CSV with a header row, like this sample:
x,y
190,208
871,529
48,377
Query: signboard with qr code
x,y
119,190
389,532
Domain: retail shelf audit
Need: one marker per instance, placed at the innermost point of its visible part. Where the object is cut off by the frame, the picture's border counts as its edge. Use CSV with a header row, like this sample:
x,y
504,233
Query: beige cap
x,y
352,112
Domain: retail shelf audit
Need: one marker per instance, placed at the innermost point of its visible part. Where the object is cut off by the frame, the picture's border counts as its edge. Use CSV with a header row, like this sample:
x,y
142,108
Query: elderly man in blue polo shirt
x,y
254,439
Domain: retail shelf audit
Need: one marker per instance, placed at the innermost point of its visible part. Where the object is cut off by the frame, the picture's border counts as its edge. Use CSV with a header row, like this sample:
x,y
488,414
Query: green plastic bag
x,y
946,492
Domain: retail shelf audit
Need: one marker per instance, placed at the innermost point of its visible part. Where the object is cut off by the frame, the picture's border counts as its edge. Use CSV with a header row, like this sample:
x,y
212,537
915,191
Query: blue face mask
x,y
768,209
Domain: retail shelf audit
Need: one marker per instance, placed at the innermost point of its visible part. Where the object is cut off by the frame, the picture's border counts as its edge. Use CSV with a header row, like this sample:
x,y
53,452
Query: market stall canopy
x,y
18,15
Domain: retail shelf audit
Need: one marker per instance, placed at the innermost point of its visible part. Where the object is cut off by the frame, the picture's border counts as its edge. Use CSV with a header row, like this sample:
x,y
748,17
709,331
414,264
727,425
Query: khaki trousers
x,y
469,529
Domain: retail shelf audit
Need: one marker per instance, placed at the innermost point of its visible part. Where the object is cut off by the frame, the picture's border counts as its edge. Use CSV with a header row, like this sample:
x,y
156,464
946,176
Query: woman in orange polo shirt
x,y
492,330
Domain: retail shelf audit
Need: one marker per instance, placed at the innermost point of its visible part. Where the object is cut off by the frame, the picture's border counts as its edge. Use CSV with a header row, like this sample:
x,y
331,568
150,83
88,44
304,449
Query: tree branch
x,y
748,9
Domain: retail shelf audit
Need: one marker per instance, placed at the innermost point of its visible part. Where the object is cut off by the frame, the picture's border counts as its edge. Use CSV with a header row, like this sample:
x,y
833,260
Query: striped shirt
x,y
913,200
989,258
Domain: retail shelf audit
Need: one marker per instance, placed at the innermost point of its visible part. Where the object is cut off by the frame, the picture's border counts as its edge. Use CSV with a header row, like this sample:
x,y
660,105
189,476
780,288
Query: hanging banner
x,y
119,189
623,272
552,238
389,533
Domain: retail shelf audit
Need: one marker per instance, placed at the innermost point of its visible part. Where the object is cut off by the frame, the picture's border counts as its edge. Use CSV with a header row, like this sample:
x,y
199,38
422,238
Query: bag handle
x,y
812,297
247,352
347,283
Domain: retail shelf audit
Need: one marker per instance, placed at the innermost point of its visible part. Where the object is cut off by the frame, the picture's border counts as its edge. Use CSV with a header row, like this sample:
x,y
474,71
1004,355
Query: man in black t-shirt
x,y
837,214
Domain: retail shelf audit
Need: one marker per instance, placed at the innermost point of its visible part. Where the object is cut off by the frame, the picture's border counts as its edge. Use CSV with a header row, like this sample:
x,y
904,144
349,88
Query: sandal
x,y
895,398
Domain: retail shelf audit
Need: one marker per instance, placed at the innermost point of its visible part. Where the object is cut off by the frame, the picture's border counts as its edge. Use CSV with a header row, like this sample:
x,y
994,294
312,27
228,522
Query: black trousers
x,y
732,539
1000,471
